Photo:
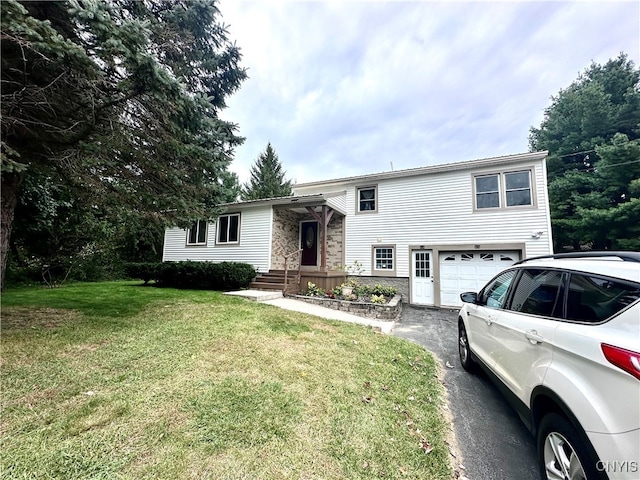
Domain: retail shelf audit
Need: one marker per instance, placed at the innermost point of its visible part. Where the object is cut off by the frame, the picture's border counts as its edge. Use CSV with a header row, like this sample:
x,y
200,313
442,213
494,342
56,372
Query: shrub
x,y
314,291
384,290
145,271
194,275
378,299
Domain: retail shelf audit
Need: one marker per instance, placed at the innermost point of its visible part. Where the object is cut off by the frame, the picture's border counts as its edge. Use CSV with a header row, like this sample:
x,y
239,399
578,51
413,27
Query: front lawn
x,y
118,381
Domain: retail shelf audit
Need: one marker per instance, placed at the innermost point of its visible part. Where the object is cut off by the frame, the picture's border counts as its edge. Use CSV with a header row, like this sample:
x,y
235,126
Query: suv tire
x,y
463,348
562,454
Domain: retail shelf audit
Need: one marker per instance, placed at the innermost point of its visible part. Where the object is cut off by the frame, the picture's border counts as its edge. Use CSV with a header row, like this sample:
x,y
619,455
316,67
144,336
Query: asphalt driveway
x,y
494,443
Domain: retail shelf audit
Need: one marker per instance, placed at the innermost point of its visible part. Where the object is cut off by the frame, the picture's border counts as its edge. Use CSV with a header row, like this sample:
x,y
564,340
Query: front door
x,y
309,243
422,277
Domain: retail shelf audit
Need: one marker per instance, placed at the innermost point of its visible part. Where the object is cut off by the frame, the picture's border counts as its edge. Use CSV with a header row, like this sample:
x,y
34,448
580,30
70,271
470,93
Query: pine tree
x,y
267,178
116,105
592,133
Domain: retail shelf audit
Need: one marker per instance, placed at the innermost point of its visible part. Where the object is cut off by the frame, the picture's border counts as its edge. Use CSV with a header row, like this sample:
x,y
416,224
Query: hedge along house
x,y
433,232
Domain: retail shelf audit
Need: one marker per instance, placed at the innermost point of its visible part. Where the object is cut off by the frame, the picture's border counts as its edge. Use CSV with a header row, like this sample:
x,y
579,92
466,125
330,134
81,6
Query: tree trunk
x,y
9,199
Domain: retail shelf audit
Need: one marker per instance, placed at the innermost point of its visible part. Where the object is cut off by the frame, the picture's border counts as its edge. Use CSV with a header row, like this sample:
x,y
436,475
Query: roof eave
x,y
431,169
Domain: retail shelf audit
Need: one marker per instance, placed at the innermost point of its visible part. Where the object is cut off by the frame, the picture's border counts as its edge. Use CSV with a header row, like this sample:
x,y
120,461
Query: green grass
x,y
118,381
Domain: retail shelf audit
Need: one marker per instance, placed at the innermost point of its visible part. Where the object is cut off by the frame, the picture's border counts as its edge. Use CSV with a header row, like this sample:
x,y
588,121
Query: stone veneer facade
x,y
335,242
401,283
286,235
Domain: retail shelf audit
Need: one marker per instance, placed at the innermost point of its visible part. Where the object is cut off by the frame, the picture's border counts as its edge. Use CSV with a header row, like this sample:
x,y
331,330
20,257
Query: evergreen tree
x,y
591,131
115,104
267,178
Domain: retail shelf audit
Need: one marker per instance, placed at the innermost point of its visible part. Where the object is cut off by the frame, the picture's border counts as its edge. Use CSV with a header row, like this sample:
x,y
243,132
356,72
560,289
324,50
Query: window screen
x,y
518,188
594,299
487,192
537,292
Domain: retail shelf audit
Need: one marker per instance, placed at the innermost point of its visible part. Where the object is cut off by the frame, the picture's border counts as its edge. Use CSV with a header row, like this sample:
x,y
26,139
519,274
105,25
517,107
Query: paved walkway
x,y
304,307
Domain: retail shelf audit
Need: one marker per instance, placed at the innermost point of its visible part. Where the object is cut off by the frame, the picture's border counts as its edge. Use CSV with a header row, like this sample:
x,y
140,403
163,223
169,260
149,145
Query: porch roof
x,y
293,202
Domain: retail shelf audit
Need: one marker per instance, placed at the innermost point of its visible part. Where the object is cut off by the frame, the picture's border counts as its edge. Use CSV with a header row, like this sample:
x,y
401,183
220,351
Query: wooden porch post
x,y
327,214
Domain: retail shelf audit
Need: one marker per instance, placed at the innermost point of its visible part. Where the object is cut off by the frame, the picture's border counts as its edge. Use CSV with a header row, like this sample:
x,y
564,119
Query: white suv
x,y
560,336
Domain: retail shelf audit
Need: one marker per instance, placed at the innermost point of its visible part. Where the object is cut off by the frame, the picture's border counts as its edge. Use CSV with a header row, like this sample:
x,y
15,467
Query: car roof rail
x,y
624,256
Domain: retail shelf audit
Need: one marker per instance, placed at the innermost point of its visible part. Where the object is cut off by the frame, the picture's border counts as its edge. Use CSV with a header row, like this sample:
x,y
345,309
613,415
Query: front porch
x,y
307,245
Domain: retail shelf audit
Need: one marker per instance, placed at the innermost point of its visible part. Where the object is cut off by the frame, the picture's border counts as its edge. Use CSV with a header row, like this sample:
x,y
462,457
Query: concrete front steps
x,y
274,280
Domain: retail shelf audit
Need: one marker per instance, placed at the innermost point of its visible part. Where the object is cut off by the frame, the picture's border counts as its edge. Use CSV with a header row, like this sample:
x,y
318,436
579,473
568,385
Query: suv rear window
x,y
594,299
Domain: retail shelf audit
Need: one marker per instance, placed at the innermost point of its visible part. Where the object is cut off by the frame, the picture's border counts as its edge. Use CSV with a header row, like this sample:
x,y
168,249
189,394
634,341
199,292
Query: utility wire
x,y
598,166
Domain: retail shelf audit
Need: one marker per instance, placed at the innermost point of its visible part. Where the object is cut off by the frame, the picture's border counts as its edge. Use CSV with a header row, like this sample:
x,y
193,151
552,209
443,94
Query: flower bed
x,y
388,311
377,301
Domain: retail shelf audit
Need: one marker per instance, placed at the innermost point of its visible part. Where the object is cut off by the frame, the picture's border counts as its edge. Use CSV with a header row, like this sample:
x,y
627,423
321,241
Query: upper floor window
x,y
488,191
518,188
228,228
197,233
367,199
498,190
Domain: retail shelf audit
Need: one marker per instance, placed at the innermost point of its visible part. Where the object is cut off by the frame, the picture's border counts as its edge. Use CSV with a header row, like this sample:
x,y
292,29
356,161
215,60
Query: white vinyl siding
x,y
438,209
339,202
254,246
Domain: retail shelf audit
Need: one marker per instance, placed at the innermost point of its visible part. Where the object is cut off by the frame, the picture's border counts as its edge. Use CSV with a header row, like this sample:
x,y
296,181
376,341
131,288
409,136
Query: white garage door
x,y
469,271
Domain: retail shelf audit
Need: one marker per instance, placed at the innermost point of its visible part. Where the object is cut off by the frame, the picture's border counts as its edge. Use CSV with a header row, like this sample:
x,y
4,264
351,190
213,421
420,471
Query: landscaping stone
x,y
386,312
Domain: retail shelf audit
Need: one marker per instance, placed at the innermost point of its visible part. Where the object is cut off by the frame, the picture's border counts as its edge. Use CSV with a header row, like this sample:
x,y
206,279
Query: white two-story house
x,y
433,232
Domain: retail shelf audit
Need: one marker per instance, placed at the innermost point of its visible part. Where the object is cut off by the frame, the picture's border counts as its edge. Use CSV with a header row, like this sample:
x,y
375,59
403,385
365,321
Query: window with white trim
x,y
197,233
367,199
228,229
503,190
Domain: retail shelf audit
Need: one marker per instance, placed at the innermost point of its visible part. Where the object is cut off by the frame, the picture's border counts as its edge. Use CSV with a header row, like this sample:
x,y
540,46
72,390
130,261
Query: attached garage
x,y
468,271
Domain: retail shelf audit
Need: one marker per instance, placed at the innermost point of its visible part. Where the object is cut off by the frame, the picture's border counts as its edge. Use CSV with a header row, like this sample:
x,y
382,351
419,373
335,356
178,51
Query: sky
x,y
346,88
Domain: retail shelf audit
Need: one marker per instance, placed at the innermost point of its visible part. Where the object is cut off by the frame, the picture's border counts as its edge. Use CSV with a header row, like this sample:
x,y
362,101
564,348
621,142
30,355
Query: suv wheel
x,y
562,455
463,348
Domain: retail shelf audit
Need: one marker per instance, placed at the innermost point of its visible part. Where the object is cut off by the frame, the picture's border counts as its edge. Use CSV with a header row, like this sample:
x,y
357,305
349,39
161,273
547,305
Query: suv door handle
x,y
489,319
533,336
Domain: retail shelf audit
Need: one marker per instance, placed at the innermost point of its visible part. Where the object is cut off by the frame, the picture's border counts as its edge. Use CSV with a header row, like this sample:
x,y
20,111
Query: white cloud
x,y
346,88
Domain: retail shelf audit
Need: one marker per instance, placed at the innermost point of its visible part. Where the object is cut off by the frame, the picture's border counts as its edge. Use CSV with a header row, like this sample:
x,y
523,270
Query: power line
x,y
598,166
576,153
617,164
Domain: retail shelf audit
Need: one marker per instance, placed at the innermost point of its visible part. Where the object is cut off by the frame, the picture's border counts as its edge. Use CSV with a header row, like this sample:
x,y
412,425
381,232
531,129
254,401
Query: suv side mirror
x,y
469,297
